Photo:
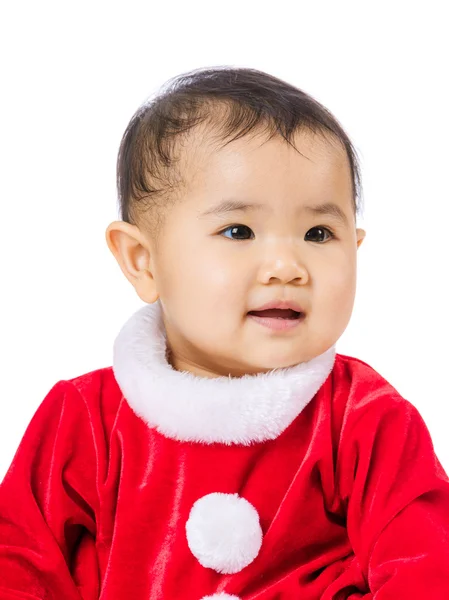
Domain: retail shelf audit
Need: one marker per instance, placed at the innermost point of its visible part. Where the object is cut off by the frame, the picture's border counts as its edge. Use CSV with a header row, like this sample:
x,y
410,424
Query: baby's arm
x,y
398,502
48,505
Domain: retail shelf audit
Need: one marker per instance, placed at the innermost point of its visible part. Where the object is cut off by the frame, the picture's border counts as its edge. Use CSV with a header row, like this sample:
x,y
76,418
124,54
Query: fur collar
x,y
186,407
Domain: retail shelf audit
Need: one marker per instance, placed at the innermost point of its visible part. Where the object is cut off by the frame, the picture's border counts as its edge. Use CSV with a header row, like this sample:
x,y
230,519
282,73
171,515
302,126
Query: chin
x,y
276,363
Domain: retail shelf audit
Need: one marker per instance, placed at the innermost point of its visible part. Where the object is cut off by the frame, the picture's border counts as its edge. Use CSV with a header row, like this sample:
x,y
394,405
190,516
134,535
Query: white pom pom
x,y
223,532
221,595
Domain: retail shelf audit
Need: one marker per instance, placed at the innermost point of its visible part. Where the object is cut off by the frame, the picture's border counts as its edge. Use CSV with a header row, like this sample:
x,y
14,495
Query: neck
x,y
187,407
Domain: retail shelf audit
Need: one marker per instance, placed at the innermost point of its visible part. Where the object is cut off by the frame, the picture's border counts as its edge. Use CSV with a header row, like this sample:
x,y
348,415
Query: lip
x,y
278,324
280,304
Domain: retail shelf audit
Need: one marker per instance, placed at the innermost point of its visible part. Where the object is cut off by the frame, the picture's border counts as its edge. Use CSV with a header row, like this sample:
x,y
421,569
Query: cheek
x,y
342,281
202,277
337,284
221,275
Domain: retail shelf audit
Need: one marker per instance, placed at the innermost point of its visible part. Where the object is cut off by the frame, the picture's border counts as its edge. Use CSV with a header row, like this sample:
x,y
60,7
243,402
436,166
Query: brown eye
x,y
239,232
234,229
321,230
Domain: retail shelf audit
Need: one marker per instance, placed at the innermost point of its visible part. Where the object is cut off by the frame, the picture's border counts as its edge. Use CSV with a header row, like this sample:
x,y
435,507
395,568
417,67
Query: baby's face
x,y
209,275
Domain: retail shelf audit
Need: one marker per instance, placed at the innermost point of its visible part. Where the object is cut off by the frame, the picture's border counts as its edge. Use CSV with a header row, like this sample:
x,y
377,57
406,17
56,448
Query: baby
x,y
229,452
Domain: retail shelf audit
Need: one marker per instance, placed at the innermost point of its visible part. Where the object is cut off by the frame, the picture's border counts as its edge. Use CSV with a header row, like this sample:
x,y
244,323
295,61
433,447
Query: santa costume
x,y
140,482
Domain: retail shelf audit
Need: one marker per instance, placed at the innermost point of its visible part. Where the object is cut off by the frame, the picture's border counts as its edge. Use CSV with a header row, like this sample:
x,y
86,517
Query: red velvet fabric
x,y
353,501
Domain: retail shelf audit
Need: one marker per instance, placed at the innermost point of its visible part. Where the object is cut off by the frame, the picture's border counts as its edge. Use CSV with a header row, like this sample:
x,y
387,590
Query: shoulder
x,y
365,395
356,373
355,365
97,383
98,395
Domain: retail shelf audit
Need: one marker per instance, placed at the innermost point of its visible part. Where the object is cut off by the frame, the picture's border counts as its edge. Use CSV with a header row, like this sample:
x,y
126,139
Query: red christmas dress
x,y
139,482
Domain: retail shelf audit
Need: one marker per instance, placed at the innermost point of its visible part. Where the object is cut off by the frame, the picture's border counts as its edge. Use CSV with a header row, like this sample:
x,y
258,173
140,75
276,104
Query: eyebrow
x,y
232,205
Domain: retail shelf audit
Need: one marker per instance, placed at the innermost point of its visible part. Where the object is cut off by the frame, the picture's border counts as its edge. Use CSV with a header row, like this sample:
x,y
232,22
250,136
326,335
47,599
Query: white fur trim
x,y
223,532
221,595
186,407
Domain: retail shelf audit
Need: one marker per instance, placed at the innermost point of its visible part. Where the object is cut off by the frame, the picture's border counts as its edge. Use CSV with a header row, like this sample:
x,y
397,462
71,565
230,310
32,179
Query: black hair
x,y
148,175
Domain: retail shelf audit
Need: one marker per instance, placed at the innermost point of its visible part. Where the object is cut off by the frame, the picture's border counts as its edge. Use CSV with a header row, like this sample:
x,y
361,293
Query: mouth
x,y
277,319
277,313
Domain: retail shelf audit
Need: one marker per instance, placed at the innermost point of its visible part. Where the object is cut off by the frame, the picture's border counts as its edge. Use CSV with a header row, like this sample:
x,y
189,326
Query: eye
x,y
236,228
322,229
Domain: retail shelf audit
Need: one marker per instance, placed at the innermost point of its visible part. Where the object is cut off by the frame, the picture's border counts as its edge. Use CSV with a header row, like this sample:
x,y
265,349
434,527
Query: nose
x,y
284,268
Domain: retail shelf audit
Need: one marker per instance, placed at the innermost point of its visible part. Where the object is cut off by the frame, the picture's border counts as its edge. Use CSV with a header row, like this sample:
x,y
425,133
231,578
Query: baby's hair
x,y
148,179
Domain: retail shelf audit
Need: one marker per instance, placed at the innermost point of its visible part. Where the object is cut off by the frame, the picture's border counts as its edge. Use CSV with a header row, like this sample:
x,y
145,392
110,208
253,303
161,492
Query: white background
x,y
72,76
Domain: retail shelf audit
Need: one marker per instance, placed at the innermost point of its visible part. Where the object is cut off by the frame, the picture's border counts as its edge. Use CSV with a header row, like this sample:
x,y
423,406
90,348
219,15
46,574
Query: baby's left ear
x,y
361,233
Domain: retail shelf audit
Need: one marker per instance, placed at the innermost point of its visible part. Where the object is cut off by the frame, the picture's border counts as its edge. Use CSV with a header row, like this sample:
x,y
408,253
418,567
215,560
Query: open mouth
x,y
277,313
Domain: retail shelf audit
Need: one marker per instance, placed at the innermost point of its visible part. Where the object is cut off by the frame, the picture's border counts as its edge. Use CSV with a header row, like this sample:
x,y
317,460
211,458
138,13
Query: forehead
x,y
314,169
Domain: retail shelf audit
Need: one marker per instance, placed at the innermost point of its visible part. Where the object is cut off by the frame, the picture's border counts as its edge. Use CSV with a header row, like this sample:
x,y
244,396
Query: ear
x,y
361,233
131,250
